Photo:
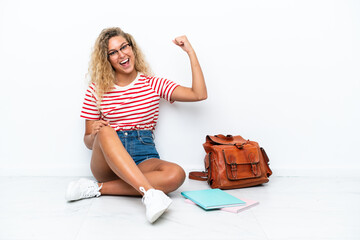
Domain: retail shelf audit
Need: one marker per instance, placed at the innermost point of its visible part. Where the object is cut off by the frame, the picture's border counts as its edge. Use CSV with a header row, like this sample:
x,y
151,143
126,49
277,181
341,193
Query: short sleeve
x,y
89,109
163,87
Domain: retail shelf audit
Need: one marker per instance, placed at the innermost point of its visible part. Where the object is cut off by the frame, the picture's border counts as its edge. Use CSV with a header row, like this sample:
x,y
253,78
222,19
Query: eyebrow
x,y
124,43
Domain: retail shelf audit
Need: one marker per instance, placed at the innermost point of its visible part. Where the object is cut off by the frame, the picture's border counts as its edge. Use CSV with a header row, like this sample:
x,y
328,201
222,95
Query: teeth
x,y
125,61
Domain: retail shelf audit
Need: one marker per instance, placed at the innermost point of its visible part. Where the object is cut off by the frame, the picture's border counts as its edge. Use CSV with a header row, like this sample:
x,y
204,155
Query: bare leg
x,y
162,175
113,166
110,160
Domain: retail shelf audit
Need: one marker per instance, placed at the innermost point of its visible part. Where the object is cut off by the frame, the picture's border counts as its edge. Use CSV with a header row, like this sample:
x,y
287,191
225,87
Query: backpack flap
x,y
242,163
224,140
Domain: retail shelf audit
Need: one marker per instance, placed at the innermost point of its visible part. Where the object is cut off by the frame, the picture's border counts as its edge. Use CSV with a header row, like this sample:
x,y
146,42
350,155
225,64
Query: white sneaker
x,y
156,203
82,188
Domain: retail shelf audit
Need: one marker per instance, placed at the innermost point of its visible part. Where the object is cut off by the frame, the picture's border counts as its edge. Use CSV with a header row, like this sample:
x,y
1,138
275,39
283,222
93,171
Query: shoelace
x,y
146,194
91,191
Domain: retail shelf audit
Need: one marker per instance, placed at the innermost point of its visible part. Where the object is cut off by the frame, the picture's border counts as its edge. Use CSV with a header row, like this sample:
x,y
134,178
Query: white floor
x,y
290,208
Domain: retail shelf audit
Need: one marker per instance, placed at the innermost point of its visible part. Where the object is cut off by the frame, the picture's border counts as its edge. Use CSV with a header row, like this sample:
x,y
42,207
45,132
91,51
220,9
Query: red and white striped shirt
x,y
133,107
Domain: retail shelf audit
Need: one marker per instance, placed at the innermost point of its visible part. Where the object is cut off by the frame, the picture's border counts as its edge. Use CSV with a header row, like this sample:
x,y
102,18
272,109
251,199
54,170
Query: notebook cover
x,y
237,209
212,198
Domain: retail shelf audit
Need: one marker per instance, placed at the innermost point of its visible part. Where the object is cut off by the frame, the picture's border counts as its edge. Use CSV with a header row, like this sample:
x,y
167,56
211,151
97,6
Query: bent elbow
x,y
202,97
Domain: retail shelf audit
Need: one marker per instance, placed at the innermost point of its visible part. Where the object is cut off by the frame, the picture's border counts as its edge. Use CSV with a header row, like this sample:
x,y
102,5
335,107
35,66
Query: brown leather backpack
x,y
233,162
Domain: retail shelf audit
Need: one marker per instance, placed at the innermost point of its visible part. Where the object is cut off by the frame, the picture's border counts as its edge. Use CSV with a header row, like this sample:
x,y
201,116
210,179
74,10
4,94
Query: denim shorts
x,y
139,144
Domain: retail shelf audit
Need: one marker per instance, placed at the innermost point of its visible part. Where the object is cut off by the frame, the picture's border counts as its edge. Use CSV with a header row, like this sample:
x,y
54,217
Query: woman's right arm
x,y
91,129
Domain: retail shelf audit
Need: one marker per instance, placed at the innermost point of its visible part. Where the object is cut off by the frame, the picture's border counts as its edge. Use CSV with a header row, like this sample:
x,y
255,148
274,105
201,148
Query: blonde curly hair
x,y
100,69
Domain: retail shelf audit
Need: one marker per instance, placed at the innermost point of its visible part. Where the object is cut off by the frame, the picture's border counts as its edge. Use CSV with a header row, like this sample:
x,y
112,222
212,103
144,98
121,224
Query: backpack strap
x,y
200,176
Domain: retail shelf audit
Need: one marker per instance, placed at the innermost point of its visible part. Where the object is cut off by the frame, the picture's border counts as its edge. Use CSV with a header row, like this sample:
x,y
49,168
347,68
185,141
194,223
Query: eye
x,y
112,53
124,47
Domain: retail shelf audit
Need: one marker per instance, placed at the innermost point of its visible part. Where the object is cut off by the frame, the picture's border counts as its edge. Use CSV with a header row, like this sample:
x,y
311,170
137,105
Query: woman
x,y
121,109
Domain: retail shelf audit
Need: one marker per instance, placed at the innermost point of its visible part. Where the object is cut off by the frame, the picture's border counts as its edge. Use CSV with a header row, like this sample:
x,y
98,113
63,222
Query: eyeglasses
x,y
124,49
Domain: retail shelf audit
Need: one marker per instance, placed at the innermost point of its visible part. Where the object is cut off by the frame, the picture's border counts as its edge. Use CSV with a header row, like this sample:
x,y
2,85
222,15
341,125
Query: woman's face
x,y
121,55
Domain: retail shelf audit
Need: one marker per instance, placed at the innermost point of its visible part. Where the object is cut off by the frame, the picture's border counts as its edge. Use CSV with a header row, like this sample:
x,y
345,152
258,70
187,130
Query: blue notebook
x,y
212,198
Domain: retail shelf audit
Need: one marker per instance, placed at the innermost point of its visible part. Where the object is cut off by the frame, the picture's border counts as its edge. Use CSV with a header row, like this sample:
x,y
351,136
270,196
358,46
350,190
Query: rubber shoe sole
x,y
156,215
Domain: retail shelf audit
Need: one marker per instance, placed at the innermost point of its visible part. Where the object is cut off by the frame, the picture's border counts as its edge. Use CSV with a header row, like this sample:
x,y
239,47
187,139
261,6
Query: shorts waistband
x,y
136,133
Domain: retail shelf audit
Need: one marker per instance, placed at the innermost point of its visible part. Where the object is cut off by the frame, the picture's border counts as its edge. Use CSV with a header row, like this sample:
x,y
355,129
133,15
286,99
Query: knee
x,y
178,174
175,177
105,131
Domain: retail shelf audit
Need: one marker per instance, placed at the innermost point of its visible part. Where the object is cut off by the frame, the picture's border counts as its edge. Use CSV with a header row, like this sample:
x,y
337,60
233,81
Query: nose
x,y
121,54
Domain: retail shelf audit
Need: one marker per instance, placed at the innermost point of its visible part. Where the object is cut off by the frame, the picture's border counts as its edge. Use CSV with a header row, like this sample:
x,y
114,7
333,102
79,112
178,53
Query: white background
x,y
283,73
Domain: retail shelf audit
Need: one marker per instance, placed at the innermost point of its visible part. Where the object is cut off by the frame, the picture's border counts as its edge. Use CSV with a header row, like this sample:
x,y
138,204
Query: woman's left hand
x,y
184,43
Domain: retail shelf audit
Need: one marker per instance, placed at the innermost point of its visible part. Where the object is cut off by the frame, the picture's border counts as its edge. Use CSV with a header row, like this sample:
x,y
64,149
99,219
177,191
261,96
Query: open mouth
x,y
125,61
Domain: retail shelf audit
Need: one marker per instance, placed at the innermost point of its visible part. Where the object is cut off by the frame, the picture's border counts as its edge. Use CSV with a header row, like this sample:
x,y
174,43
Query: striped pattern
x,y
133,107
